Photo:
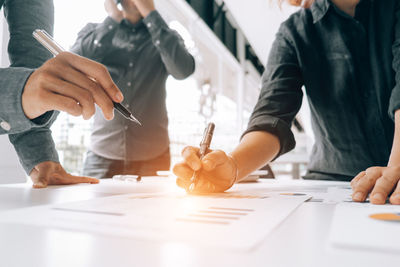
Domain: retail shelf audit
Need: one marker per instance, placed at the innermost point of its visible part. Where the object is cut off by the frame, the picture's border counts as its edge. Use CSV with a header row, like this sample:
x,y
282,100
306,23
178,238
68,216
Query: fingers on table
x,y
66,179
355,180
365,184
395,197
383,187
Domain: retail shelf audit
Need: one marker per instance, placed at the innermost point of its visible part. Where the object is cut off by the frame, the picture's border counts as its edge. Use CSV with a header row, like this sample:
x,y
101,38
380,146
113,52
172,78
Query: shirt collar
x,y
319,9
132,26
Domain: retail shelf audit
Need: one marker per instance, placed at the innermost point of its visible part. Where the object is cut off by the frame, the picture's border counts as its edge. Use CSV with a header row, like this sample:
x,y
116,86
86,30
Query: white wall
x,y
10,169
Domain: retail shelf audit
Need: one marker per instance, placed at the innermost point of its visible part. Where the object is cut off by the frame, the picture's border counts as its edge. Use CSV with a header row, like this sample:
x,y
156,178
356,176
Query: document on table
x,y
366,226
228,220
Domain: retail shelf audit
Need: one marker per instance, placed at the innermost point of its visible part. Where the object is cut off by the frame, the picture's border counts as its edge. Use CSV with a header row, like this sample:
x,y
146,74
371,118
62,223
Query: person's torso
x,y
136,67
346,65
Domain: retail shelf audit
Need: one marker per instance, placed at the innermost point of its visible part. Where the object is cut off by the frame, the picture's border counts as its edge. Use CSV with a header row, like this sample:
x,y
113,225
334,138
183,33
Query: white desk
x,y
301,240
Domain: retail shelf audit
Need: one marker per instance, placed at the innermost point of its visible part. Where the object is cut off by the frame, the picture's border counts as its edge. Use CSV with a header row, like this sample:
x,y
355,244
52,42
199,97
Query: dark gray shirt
x,y
139,58
350,70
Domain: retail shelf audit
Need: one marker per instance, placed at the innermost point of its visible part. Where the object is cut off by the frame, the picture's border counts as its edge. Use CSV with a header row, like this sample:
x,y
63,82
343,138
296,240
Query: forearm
x,y
176,58
254,151
395,154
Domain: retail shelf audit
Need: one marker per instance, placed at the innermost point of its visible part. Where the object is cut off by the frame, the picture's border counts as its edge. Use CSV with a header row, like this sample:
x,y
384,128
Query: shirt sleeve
x,y
31,139
176,58
394,103
95,39
281,95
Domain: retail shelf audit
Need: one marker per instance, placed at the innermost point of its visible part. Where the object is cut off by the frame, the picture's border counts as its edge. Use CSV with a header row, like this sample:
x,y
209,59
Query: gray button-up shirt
x,y
139,58
350,68
31,138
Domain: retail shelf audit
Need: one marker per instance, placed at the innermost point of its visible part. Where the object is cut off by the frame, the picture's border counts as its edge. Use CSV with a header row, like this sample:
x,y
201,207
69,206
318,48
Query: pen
x,y
48,42
204,146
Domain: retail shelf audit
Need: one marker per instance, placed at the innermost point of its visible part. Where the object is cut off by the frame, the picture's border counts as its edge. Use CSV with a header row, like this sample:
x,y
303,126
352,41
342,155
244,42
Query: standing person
x,y
140,51
35,86
347,55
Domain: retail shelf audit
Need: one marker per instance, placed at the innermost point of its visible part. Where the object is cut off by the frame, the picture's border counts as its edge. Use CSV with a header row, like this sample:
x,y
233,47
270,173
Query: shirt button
x,y
133,30
129,84
157,42
110,27
126,128
97,43
149,24
127,105
5,125
131,64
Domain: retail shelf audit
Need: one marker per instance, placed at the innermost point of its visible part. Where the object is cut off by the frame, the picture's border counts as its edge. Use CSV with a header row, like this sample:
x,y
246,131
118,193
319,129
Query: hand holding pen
x,y
69,83
215,172
204,146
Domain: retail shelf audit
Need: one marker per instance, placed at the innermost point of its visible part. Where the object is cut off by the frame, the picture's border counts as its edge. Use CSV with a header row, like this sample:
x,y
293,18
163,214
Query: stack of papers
x,y
229,220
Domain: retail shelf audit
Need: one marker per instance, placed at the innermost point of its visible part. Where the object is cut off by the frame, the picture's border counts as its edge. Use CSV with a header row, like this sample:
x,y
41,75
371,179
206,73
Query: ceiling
x,y
259,20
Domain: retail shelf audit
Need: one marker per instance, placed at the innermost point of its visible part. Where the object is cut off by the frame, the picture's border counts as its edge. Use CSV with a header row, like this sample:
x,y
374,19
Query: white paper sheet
x,y
229,220
353,227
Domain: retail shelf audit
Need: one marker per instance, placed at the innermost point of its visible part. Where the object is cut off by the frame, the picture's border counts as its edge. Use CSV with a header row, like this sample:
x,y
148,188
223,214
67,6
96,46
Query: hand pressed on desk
x,y
380,183
217,172
52,173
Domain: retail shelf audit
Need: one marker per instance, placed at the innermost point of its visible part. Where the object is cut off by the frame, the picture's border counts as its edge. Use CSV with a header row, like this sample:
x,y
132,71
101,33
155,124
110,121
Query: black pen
x,y
204,146
48,42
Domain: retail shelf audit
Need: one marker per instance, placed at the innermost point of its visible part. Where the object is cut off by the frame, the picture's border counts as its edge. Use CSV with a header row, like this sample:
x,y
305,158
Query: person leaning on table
x,y
35,86
347,55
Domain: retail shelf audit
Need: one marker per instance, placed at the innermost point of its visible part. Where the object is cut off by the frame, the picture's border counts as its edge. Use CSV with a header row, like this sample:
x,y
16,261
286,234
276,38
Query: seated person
x,y
347,55
35,86
140,51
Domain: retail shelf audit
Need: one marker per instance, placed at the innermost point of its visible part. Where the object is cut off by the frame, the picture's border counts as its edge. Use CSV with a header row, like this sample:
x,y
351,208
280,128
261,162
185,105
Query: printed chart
x,y
230,220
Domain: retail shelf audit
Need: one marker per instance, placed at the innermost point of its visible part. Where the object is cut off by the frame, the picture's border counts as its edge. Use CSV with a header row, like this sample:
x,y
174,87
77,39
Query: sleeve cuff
x,y
154,23
109,23
394,103
12,116
274,126
34,147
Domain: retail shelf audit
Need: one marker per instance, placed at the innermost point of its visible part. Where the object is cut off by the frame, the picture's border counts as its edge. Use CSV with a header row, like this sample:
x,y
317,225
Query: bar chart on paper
x,y
232,221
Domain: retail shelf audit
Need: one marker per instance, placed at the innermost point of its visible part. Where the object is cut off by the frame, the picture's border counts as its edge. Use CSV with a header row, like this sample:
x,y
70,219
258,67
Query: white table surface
x,y
301,240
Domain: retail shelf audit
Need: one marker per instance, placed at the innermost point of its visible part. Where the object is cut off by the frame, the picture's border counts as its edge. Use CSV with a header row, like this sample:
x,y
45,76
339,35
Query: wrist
x,y
235,169
146,11
117,17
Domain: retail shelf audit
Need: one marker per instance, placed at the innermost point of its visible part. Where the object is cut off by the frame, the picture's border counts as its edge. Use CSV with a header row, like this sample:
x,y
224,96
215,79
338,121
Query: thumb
x,y
42,177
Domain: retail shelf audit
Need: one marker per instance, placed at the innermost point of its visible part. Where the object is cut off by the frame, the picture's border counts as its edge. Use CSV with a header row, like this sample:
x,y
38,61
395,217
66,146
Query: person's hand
x,y
379,183
112,10
52,173
63,83
145,7
217,172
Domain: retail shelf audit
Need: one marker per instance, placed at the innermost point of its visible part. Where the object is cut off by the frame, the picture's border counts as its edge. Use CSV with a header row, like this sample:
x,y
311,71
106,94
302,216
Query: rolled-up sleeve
x,y
281,95
394,103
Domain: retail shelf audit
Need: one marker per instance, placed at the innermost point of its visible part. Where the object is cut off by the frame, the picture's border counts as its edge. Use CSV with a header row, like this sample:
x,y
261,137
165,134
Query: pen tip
x,y
135,120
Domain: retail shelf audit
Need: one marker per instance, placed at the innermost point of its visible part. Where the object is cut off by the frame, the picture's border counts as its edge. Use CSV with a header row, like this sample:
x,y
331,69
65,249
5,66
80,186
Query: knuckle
x,y
87,97
186,151
219,153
